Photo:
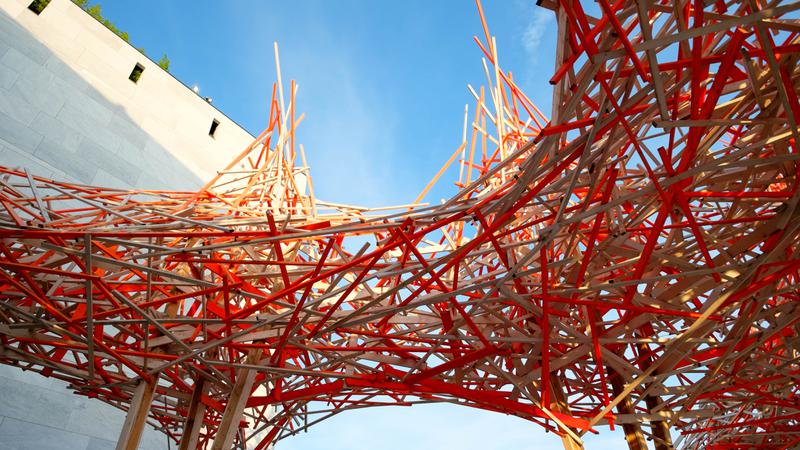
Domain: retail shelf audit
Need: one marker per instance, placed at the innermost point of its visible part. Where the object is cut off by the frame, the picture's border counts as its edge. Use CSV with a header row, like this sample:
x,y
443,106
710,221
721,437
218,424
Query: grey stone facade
x,y
69,112
41,413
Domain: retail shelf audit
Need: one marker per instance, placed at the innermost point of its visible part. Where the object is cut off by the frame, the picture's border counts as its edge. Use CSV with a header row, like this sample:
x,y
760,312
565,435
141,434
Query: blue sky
x,y
383,86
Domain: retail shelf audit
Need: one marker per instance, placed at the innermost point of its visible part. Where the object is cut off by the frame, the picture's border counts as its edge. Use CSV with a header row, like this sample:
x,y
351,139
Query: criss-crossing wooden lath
x,y
631,261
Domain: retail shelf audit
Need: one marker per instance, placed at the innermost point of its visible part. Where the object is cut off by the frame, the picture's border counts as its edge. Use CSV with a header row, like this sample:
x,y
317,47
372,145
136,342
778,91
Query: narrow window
x,y
136,73
38,6
214,125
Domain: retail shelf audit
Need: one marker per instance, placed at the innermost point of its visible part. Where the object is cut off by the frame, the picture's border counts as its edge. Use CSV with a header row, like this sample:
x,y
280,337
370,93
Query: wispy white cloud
x,y
349,129
532,36
536,41
350,143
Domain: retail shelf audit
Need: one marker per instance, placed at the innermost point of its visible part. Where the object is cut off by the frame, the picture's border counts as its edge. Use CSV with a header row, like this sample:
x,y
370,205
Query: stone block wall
x,y
68,111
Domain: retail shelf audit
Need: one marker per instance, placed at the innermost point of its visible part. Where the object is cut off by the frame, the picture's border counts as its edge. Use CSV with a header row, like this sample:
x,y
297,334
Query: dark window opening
x,y
214,125
38,6
136,73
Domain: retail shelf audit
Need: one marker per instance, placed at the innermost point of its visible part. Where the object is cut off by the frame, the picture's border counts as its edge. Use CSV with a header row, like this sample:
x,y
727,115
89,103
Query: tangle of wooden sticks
x,y
632,260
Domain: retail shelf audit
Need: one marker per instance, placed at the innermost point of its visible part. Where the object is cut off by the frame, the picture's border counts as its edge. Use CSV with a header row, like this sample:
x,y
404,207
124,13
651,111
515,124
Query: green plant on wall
x,y
164,62
97,12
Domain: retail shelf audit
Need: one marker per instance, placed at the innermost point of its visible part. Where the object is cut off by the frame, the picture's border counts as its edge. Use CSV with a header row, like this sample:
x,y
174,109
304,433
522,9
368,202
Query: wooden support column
x,y
194,417
560,404
633,431
237,400
660,427
137,415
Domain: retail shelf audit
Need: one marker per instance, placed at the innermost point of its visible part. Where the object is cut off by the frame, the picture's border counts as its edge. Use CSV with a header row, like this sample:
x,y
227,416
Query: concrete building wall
x,y
68,111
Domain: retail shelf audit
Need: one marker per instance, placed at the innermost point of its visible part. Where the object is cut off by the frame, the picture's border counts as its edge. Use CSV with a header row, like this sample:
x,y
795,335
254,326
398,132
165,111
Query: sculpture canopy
x,y
632,259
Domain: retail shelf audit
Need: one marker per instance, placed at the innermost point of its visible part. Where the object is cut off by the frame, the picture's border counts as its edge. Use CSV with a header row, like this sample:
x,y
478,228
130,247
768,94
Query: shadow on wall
x,y
57,125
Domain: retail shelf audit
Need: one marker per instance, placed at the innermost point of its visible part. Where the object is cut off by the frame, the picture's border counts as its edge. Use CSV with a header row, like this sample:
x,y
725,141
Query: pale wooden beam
x,y
137,415
560,404
237,400
660,428
633,431
194,417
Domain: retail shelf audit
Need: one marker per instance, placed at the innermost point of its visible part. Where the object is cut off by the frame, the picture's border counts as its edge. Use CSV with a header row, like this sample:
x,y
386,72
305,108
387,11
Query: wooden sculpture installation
x,y
631,261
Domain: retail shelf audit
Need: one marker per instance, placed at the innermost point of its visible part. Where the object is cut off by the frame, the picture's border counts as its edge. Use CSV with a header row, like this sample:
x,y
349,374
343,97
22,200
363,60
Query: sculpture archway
x,y
630,260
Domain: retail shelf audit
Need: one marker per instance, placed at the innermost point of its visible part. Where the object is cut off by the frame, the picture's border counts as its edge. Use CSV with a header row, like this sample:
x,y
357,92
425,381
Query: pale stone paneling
x,y
64,66
68,111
